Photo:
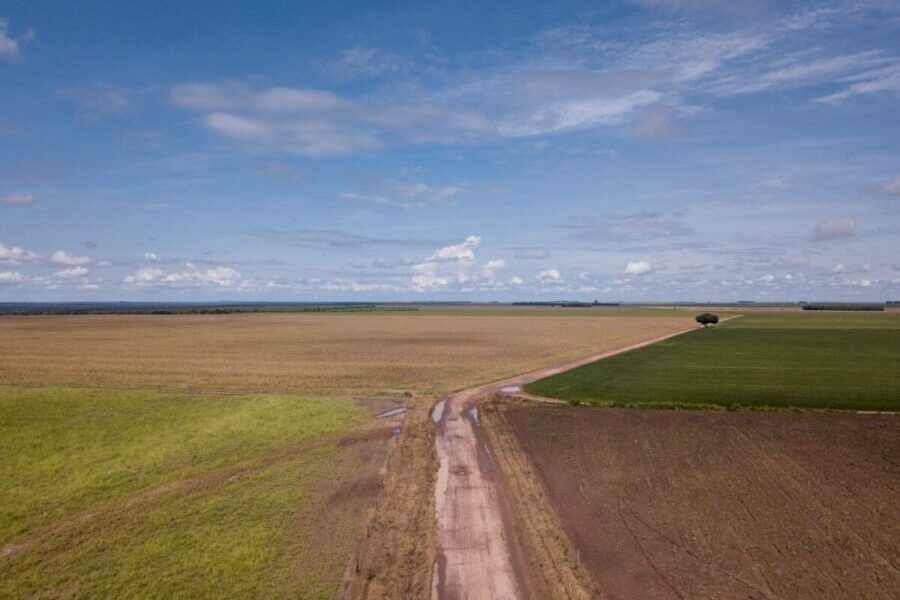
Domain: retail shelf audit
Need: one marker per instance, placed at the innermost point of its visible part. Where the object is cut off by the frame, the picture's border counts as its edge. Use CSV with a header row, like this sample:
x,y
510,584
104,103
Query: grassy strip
x,y
552,555
782,361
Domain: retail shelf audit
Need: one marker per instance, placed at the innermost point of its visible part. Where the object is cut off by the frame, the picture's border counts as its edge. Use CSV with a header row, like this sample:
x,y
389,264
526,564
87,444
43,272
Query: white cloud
x,y
516,281
886,79
282,99
491,267
549,276
11,277
151,257
449,264
637,267
190,276
426,277
834,229
891,187
15,255
464,251
61,257
72,273
10,47
17,199
351,285
407,195
319,123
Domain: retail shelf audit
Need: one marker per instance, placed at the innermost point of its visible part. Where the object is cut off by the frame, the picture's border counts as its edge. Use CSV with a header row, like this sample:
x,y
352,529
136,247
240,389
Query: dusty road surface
x,y
476,553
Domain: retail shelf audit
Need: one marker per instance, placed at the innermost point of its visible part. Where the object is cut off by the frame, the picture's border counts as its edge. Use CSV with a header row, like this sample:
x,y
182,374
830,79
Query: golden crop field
x,y
341,354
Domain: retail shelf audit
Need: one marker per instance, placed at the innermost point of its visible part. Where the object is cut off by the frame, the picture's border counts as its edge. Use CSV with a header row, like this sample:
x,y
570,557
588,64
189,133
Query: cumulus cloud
x,y
464,251
189,276
491,267
61,257
72,273
17,199
15,255
832,229
11,277
151,257
447,265
637,267
549,276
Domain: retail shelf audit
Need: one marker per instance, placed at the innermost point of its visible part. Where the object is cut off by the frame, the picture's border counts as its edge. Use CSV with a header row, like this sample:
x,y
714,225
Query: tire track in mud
x,y
477,549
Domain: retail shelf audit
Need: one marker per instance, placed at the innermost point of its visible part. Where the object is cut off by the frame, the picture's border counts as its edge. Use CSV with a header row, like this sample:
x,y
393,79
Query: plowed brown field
x,y
668,504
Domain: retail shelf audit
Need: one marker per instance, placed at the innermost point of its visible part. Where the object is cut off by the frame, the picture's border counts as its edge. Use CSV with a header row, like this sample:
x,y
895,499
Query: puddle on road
x,y
487,452
438,411
393,412
511,389
473,414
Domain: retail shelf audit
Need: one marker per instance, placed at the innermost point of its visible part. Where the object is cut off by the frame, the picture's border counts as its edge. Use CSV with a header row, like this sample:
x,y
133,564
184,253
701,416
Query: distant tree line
x,y
567,304
857,307
195,310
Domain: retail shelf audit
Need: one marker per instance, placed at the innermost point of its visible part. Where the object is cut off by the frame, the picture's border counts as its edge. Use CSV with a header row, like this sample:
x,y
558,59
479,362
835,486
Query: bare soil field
x,y
302,353
671,504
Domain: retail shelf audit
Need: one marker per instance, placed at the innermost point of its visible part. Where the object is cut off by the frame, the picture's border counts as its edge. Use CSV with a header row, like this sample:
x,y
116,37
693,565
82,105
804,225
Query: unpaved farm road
x,y
475,557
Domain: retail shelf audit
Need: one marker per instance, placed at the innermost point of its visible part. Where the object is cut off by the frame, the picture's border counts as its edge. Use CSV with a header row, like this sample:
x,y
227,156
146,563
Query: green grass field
x,y
111,493
780,360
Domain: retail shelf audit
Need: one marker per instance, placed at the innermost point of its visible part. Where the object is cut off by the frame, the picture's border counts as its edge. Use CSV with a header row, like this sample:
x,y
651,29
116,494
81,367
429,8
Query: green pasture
x,y
115,494
804,360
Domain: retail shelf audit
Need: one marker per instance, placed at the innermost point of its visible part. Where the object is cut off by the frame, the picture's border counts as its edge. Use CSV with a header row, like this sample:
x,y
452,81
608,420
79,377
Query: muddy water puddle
x,y
391,412
511,389
438,411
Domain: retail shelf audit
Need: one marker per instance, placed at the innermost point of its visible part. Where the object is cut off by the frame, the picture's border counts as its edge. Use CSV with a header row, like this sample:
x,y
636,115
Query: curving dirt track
x,y
476,549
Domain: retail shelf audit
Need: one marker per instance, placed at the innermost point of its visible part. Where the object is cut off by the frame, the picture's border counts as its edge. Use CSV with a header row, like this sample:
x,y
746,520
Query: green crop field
x,y
780,360
110,493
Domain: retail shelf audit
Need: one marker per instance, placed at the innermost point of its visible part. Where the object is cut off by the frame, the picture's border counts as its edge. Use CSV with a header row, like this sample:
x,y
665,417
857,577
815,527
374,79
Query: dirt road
x,y
476,556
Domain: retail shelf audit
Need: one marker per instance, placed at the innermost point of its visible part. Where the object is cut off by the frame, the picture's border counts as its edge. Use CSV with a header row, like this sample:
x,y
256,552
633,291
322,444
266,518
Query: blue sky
x,y
634,150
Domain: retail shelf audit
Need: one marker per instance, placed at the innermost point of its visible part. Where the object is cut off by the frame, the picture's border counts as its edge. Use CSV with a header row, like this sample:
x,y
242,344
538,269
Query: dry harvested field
x,y
670,504
308,353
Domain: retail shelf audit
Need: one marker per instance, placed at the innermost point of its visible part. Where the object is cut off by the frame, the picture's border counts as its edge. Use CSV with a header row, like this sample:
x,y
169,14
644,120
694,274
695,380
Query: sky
x,y
639,150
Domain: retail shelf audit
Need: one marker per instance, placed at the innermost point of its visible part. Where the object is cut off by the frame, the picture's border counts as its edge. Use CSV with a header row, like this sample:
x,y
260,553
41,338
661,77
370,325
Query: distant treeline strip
x,y
566,304
857,307
197,310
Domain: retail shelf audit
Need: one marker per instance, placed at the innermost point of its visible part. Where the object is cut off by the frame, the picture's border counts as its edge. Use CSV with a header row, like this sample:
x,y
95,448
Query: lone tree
x,y
707,319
